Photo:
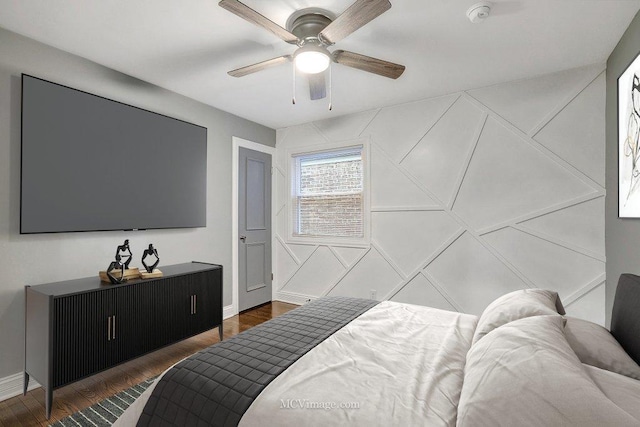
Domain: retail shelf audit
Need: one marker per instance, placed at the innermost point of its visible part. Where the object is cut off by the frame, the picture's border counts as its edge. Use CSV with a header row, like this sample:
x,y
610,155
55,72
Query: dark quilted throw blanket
x,y
217,385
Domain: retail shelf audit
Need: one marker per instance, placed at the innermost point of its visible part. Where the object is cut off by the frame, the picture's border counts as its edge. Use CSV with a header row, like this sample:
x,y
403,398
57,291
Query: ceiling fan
x,y
313,31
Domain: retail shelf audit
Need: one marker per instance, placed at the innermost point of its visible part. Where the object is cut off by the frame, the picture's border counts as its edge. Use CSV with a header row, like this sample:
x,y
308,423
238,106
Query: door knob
x,y
243,238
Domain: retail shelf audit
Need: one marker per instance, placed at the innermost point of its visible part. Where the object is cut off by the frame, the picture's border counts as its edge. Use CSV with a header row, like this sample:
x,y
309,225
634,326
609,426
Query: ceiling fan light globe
x,y
312,62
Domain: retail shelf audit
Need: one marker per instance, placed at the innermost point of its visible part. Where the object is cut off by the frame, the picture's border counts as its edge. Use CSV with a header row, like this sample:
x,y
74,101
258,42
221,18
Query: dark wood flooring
x,y
29,410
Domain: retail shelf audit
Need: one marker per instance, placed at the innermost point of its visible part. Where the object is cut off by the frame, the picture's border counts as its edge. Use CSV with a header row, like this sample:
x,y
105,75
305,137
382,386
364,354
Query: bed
x,y
348,361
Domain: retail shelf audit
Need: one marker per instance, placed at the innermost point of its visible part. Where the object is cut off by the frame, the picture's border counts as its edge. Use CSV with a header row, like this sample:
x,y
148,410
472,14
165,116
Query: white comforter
x,y
399,364
405,365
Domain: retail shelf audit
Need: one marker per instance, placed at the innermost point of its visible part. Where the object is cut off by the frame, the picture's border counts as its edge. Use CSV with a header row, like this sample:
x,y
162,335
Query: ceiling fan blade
x,y
248,14
317,86
249,69
357,15
369,64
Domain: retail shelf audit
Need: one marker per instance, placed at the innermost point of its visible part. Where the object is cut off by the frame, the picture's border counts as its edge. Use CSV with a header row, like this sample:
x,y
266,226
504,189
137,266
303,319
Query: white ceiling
x,y
187,46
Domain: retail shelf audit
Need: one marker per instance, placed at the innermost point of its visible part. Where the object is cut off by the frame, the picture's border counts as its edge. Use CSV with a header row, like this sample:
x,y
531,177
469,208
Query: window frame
x,y
292,153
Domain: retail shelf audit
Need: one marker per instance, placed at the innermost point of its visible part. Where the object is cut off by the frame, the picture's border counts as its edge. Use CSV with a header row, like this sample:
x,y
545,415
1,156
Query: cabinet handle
x,y
195,304
114,326
191,302
109,329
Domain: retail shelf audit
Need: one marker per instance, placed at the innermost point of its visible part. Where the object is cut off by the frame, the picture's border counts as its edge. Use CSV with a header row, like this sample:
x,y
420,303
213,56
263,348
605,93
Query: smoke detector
x,y
479,12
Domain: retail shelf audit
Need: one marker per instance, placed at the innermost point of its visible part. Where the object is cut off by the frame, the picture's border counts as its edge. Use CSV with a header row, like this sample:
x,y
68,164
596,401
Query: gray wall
x,y
473,195
35,259
622,235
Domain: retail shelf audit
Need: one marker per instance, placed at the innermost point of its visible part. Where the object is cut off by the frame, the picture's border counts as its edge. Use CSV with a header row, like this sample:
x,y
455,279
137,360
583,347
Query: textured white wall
x,y
473,195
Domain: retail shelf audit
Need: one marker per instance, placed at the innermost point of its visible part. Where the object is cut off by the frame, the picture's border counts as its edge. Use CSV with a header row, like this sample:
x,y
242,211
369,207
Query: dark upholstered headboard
x,y
625,319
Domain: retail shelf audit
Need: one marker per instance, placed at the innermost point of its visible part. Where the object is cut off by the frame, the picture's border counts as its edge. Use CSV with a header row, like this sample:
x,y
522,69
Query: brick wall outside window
x,y
329,197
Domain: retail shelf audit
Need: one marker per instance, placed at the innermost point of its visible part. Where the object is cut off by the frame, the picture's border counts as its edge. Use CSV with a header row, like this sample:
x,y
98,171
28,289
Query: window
x,y
328,196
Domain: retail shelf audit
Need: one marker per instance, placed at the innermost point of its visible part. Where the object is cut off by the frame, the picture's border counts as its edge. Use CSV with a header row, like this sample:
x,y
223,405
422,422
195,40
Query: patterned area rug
x,y
107,411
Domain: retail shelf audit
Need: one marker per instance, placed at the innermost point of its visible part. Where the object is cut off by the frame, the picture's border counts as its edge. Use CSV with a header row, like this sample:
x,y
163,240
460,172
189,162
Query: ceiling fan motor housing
x,y
306,24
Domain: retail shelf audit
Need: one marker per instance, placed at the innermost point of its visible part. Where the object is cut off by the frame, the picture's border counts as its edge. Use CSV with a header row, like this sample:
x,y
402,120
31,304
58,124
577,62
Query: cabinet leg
x,y
220,331
25,383
48,400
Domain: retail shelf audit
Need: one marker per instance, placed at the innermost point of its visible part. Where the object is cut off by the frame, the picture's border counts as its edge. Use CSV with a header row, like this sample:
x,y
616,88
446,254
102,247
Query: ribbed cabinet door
x,y
133,334
81,343
173,307
206,286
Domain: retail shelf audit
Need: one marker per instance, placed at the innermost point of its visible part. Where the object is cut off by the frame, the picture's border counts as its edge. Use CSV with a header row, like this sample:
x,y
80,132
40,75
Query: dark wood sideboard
x,y
76,328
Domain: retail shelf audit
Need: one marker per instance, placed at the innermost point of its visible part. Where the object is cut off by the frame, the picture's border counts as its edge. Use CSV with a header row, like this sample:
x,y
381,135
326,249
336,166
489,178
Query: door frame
x,y
237,143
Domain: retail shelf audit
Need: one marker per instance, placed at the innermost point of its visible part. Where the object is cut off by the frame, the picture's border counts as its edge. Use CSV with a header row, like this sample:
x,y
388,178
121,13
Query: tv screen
x,y
93,164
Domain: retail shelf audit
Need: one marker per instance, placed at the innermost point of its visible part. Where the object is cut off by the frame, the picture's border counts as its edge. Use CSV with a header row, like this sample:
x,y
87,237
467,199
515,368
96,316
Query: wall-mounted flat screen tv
x,y
93,164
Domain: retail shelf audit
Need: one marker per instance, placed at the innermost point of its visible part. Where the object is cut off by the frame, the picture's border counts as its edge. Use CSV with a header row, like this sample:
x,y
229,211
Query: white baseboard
x,y
292,297
12,386
228,311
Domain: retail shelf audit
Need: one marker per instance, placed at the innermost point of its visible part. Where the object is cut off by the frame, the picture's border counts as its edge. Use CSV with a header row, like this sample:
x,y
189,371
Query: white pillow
x,y
525,374
517,305
595,346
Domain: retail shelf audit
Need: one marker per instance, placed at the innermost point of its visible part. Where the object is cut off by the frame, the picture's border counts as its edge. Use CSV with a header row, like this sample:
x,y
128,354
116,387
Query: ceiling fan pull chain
x,y
293,96
330,93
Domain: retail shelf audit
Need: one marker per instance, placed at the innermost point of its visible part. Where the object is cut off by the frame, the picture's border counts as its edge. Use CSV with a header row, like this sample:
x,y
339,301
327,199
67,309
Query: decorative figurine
x,y
116,265
122,260
150,252
124,252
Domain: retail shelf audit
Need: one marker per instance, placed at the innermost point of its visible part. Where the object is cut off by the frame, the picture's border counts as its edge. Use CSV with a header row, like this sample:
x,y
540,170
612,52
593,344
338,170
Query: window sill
x,y
350,242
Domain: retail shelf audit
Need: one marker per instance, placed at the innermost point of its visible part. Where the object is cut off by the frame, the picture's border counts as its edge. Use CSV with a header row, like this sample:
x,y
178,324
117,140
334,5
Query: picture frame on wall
x,y
629,141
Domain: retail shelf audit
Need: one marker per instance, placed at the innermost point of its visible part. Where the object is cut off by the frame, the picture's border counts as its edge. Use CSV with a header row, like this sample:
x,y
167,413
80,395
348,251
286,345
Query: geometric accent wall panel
x,y
397,129
524,103
281,223
349,255
547,265
472,276
421,292
281,154
581,225
590,306
280,183
292,136
439,158
306,132
316,274
409,237
577,141
345,127
302,252
285,264
508,178
393,188
371,273
490,190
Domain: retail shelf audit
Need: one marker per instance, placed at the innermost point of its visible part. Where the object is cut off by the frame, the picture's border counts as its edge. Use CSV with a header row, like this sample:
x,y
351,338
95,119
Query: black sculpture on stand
x,y
116,265
148,252
124,251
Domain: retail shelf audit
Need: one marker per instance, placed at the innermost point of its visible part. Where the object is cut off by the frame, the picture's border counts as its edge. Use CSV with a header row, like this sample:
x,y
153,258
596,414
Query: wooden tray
x,y
155,273
129,273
